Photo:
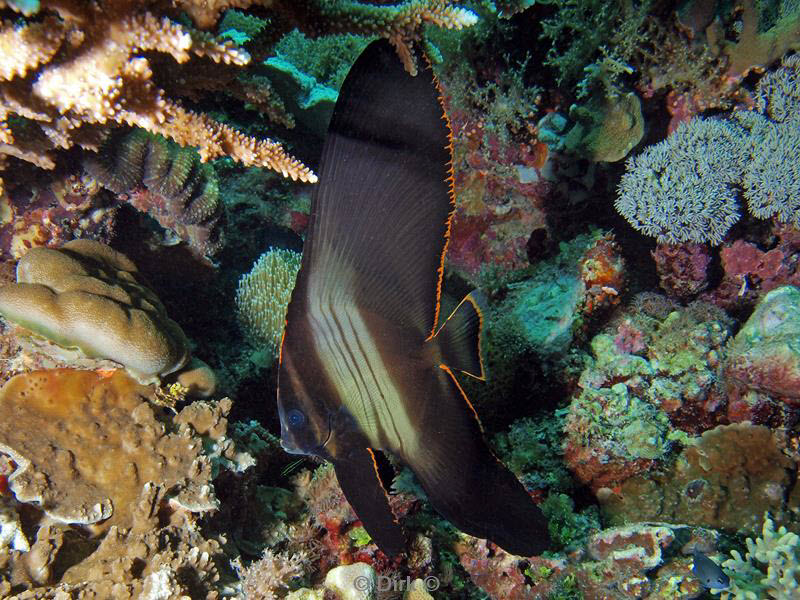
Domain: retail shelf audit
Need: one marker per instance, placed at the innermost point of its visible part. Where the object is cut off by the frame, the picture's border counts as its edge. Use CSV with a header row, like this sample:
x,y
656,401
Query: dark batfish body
x,y
364,364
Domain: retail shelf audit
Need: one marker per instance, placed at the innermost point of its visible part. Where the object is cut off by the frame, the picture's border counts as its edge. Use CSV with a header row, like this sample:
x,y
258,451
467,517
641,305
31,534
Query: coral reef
x,y
634,422
42,210
71,70
87,295
553,304
765,355
724,479
750,272
655,375
682,189
165,181
262,297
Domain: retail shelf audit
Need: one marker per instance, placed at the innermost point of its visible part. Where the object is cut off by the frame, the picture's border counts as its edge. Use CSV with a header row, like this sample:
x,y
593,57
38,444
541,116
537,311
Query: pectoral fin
x,y
358,477
459,337
466,483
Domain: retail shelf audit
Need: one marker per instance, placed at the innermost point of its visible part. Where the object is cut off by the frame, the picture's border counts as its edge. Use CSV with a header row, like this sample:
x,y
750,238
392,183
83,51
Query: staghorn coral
x,y
87,295
79,68
262,297
167,182
84,70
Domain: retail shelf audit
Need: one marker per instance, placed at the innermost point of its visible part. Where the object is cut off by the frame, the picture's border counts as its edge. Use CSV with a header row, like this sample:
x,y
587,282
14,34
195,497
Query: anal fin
x,y
459,338
359,479
466,483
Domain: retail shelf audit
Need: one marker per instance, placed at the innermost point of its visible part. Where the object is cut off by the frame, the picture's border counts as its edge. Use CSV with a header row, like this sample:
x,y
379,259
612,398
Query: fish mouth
x,y
316,450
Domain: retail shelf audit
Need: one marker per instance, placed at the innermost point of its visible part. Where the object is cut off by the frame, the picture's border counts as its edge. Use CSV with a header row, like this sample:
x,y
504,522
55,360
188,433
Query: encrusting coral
x,y
87,295
90,450
726,479
50,430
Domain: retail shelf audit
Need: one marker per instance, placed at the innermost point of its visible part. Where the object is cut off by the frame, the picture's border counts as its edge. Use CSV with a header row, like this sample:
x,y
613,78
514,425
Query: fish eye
x,y
295,418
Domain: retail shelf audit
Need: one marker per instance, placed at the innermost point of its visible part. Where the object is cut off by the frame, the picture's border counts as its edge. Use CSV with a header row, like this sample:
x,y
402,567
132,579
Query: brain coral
x,y
167,182
86,295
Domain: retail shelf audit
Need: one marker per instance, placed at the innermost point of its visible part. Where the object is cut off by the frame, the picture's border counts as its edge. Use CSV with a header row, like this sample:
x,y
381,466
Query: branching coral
x,y
778,551
83,67
271,576
77,68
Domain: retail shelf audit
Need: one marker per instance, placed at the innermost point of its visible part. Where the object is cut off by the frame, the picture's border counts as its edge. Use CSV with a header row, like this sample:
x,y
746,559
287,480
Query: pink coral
x,y
751,272
682,268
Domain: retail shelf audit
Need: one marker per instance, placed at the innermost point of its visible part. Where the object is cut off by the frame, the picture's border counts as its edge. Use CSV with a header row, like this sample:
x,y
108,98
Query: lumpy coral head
x,y
85,295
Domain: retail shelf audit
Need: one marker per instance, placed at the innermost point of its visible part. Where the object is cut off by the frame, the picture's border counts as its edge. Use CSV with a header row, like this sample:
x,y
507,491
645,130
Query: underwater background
x,y
627,183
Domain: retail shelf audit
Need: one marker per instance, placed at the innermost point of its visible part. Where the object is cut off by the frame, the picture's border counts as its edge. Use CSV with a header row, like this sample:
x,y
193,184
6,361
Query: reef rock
x,y
765,354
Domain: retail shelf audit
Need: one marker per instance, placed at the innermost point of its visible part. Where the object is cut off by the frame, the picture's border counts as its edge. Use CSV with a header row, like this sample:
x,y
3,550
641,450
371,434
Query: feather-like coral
x,y
685,188
682,189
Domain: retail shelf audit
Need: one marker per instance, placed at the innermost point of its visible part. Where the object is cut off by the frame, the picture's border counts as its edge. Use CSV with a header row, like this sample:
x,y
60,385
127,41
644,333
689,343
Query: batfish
x,y
365,365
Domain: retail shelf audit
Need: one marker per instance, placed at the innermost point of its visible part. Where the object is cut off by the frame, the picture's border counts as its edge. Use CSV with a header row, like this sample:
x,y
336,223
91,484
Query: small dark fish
x,y
708,572
365,363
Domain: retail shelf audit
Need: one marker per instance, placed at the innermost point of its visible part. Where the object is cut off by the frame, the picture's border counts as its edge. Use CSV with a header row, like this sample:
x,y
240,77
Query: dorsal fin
x,y
380,216
459,337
